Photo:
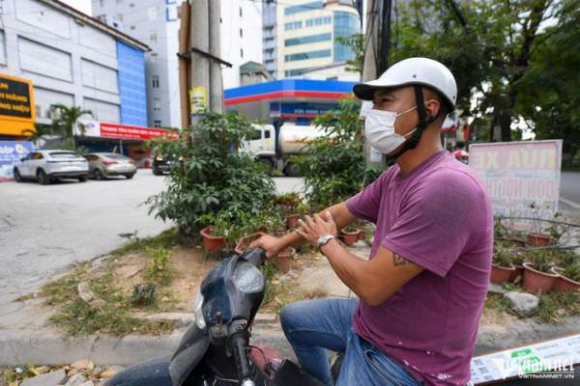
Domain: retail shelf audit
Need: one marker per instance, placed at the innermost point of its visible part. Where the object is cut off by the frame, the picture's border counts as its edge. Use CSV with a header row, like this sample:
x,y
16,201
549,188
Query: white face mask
x,y
380,130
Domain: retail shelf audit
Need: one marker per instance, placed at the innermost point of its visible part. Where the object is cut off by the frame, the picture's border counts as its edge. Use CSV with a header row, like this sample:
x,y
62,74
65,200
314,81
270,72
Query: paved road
x,y
570,190
43,229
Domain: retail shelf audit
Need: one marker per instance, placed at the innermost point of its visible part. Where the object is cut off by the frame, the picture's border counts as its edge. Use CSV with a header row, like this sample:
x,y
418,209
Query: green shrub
x,y
212,175
335,167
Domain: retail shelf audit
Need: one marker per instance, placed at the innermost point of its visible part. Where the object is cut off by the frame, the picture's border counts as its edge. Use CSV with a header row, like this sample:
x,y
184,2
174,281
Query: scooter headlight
x,y
197,310
247,278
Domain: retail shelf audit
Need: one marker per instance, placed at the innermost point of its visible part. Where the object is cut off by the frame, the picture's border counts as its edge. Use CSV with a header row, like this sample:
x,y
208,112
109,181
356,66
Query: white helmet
x,y
413,71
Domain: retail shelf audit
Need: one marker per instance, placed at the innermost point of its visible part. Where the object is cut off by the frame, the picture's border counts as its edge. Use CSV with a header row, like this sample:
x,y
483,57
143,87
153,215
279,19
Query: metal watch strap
x,y
322,240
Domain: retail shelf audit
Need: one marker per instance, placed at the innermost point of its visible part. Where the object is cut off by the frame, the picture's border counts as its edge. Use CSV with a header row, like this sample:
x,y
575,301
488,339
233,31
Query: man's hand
x,y
313,228
272,245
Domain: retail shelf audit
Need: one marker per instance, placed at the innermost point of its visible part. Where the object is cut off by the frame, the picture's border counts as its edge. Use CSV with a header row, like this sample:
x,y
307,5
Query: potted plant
x,y
350,234
288,204
568,278
537,272
538,237
215,235
518,259
502,269
283,260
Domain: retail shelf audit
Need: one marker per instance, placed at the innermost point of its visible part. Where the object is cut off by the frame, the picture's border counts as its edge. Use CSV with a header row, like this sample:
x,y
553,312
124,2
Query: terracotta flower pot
x,y
538,240
291,220
212,243
536,281
283,260
517,272
350,238
564,284
361,235
244,242
500,275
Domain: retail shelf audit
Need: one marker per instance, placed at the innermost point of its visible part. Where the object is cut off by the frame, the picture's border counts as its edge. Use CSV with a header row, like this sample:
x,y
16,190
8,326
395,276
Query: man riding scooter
x,y
421,294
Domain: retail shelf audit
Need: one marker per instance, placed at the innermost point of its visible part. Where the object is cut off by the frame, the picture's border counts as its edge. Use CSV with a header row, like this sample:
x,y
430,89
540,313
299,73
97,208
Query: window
x,y
241,12
153,37
39,155
242,52
132,27
119,1
267,133
241,33
296,72
156,123
308,39
131,5
257,134
156,104
120,17
293,25
303,7
345,24
155,81
101,3
308,55
318,21
102,18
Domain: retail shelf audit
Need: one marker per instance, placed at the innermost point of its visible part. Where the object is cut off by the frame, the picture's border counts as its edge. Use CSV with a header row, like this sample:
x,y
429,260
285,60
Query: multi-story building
x,y
72,59
157,23
269,28
308,34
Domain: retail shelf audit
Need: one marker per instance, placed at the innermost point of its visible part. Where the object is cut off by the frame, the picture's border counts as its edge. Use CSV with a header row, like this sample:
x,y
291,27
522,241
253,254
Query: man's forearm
x,y
342,217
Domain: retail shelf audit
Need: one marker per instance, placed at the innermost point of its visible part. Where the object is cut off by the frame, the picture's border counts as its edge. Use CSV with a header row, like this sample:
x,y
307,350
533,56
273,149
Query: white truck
x,y
292,140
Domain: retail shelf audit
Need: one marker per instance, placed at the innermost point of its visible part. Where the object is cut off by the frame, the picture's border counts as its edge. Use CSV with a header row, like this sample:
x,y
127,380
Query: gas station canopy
x,y
288,99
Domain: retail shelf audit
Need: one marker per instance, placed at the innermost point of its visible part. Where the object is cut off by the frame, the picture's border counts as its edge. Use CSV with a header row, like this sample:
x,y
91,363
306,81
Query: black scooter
x,y
216,349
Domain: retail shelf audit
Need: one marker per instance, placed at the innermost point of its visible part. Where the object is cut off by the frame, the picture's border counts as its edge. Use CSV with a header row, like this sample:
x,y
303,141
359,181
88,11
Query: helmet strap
x,y
424,121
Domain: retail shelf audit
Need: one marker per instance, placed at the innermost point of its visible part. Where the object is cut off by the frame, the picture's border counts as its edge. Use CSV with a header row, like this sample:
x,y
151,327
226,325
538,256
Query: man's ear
x,y
432,108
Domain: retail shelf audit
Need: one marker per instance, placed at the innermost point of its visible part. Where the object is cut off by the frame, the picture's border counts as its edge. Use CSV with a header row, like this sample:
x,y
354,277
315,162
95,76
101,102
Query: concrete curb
x,y
47,347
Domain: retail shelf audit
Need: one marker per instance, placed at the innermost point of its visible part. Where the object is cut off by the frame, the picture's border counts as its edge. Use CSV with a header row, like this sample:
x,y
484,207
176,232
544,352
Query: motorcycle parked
x,y
216,349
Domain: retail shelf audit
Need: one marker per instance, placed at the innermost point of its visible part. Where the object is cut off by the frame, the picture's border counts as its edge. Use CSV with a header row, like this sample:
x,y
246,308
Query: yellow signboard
x,y
17,113
197,100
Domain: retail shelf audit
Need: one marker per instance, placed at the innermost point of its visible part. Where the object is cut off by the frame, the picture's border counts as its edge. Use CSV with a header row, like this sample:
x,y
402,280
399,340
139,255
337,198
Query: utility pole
x,y
385,36
371,59
200,71
215,70
200,75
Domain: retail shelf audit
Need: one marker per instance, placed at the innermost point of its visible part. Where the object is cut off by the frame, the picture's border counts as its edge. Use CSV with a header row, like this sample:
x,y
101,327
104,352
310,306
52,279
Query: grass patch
x,y
554,306
111,311
165,239
497,302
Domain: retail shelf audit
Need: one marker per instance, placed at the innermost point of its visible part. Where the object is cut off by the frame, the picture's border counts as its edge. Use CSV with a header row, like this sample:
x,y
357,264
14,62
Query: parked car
x,y
47,166
104,165
162,163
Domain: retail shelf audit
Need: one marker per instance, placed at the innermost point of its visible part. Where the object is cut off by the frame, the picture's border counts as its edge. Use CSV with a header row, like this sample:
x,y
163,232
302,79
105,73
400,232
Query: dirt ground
x,y
188,268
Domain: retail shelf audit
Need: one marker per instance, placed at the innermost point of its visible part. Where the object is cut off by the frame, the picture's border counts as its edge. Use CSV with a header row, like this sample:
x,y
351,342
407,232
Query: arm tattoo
x,y
399,260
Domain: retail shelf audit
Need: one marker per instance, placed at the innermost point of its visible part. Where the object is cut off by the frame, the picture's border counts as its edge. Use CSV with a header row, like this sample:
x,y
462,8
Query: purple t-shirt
x,y
439,217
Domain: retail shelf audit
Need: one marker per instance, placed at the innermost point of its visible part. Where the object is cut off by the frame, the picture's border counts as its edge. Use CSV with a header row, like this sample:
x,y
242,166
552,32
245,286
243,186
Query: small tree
x,y
67,120
334,168
212,176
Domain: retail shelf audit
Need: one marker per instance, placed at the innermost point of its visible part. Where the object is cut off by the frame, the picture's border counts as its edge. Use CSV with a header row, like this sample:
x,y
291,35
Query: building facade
x,y
308,34
157,23
270,39
72,59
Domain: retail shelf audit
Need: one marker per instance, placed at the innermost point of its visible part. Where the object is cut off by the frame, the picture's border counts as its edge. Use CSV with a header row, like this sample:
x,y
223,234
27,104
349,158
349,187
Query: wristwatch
x,y
322,240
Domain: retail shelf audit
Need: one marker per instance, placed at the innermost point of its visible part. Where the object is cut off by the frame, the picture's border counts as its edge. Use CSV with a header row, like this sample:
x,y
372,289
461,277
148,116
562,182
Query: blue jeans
x,y
312,326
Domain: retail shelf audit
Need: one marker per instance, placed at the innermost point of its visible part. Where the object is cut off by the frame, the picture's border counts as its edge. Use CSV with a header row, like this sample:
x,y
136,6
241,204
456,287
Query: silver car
x,y
47,166
104,165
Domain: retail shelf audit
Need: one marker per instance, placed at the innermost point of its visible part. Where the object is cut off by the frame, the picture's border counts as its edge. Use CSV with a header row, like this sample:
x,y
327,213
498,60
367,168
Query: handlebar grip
x,y
240,345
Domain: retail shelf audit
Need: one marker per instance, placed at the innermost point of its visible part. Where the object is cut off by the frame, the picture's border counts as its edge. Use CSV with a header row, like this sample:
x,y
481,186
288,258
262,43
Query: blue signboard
x,y
10,153
300,109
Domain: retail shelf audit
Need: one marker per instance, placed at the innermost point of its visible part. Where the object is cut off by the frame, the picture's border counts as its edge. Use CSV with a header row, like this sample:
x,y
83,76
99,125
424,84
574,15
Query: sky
x,y
81,5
